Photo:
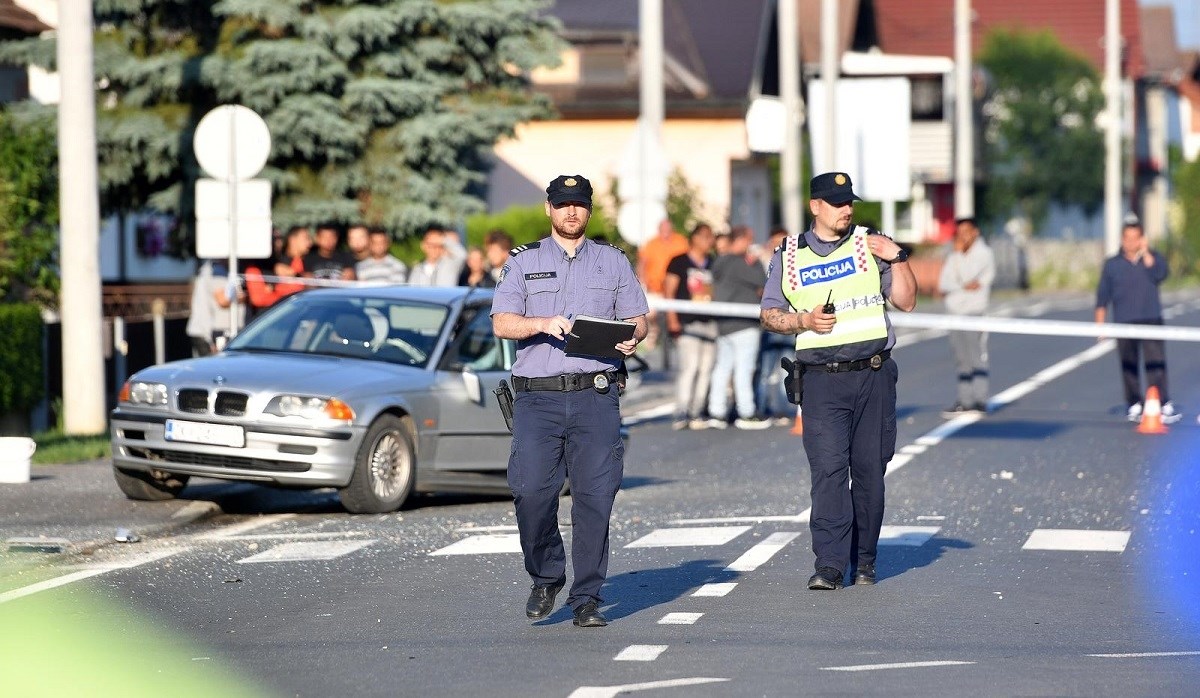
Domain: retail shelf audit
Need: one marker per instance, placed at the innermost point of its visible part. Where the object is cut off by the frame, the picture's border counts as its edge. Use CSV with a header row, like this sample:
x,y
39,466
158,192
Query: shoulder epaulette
x,y
527,246
602,241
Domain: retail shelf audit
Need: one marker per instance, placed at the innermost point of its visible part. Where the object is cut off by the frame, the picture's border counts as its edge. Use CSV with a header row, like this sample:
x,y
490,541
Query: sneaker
x,y
753,423
1134,413
714,423
1169,415
698,424
679,424
782,421
958,410
979,407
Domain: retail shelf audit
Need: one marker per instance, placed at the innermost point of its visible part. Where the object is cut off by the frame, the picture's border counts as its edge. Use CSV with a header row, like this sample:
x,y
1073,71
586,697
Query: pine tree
x,y
380,110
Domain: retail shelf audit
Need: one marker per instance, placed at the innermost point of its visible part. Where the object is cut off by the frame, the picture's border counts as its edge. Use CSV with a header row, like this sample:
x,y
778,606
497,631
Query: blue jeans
x,y
737,355
771,398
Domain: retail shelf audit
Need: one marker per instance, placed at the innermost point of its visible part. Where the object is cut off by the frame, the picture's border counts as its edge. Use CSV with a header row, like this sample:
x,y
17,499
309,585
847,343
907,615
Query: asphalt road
x,y
1045,549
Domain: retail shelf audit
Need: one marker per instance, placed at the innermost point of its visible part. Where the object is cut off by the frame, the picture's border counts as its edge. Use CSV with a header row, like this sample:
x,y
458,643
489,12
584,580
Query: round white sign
x,y
232,143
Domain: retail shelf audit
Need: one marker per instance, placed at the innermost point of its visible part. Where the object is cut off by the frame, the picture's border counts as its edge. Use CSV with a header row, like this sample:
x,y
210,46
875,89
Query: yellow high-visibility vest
x,y
851,273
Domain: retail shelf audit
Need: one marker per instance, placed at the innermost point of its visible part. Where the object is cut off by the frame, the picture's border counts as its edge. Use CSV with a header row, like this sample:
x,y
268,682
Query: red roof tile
x,y
926,27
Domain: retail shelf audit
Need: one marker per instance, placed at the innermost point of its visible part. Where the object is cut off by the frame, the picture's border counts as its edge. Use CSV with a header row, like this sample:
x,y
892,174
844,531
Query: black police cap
x,y
569,188
834,187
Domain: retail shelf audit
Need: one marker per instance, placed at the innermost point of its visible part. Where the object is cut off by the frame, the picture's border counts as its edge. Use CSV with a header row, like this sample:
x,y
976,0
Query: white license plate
x,y
202,433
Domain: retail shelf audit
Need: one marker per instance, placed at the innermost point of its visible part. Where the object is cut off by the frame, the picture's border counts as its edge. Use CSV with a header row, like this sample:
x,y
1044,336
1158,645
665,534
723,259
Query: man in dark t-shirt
x,y
689,278
738,277
326,261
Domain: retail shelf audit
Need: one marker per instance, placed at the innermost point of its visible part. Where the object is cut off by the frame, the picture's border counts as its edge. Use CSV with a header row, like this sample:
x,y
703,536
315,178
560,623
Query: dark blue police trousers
x,y
849,436
575,435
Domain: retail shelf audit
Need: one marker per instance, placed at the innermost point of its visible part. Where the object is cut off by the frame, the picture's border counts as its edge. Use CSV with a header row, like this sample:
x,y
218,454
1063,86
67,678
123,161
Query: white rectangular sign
x,y
214,223
874,119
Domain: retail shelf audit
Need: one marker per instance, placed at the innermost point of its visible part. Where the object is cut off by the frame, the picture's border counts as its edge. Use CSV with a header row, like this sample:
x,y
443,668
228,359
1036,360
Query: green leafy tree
x,y
384,110
28,206
1186,242
1041,141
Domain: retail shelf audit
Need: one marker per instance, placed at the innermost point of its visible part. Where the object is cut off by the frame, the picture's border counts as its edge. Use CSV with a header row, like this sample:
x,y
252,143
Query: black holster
x,y
504,396
793,382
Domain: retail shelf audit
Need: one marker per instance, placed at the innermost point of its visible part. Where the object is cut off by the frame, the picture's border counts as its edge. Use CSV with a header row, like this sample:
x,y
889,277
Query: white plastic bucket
x,y
15,454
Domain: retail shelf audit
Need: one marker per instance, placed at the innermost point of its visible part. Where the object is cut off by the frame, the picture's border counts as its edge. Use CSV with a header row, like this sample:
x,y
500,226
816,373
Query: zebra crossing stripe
x,y
715,589
679,537
910,536
759,554
483,545
300,551
640,653
1077,540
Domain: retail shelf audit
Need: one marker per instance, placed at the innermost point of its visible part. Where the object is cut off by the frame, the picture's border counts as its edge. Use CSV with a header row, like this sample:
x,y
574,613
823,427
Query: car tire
x,y
385,469
147,486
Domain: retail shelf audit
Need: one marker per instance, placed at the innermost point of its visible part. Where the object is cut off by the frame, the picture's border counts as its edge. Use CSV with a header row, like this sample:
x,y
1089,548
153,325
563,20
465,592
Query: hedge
x,y
20,356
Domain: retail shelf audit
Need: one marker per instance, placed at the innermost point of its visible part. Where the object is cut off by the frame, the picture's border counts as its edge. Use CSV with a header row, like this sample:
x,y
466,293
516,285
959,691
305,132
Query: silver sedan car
x,y
375,391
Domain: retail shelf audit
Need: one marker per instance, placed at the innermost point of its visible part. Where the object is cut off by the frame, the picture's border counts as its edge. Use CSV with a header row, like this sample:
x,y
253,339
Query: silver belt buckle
x,y
600,382
875,362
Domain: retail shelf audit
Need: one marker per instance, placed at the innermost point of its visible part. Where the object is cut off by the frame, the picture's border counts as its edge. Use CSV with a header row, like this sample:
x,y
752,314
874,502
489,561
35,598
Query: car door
x,y
472,434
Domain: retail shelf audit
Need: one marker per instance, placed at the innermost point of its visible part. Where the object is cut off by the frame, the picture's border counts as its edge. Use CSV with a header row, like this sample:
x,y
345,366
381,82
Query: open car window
x,y
376,329
475,346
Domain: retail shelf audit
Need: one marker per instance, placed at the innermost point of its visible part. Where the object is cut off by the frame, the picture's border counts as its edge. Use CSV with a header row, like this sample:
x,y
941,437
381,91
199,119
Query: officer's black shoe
x,y
865,575
589,616
825,579
541,599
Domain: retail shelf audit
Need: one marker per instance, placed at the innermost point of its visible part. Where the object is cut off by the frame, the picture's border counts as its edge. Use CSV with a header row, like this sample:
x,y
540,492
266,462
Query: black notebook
x,y
593,336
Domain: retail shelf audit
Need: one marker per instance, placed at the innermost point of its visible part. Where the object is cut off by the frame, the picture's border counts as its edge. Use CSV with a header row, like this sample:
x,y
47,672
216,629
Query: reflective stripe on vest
x,y
851,273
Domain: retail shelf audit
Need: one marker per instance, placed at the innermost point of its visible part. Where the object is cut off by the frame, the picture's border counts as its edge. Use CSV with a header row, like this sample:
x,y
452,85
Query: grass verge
x,y
57,447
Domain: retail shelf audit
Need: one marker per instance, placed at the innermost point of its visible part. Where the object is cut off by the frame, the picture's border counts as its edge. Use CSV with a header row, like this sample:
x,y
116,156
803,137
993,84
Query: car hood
x,y
279,372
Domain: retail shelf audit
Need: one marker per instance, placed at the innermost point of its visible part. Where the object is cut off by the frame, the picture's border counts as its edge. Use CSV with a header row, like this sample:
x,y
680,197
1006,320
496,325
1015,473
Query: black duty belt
x,y
565,383
874,363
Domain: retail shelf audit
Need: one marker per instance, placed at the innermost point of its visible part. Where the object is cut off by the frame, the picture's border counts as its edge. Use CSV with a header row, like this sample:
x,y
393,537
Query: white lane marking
x,y
895,665
613,691
195,510
486,529
679,537
121,564
911,536
296,552
1141,655
1046,375
640,653
1077,540
298,536
486,544
715,589
649,413
755,557
914,449
931,518
798,518
680,619
239,528
897,462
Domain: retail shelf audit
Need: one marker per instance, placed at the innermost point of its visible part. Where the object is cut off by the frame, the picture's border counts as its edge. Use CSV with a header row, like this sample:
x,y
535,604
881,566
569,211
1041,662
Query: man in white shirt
x,y
966,283
444,259
380,267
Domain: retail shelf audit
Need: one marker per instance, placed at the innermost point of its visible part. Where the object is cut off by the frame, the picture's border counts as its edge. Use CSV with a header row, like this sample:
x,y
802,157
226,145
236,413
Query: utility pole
x,y
789,93
829,73
79,241
1112,127
964,124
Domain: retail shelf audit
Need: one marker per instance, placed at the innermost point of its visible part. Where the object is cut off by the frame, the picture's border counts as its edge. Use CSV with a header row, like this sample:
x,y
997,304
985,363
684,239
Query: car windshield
x,y
377,329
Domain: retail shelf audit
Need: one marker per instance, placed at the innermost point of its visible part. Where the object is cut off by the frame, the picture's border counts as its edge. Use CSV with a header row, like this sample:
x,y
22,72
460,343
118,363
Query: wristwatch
x,y
901,256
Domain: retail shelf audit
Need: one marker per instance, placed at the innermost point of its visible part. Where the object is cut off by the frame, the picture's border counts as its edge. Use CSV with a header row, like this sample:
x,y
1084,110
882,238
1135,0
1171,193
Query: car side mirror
x,y
473,386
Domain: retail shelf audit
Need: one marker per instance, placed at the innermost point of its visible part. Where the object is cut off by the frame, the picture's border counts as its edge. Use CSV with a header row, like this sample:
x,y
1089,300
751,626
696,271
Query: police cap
x,y
833,187
569,188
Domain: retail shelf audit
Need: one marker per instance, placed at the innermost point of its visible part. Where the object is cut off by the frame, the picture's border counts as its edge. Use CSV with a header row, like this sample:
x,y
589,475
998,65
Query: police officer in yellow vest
x,y
849,379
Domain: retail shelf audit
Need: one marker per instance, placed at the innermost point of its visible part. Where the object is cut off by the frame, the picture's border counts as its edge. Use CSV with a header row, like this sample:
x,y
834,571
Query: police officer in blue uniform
x,y
566,421
829,286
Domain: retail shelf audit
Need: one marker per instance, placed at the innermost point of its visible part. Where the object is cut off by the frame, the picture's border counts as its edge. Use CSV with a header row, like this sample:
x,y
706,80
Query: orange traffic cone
x,y
798,426
1152,414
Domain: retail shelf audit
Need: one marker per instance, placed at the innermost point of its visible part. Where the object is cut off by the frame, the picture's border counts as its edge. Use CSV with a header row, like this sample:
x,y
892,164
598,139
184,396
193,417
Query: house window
x,y
605,66
928,99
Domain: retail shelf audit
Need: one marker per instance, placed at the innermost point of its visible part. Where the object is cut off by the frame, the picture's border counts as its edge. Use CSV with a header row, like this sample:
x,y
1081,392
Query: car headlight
x,y
307,407
143,393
